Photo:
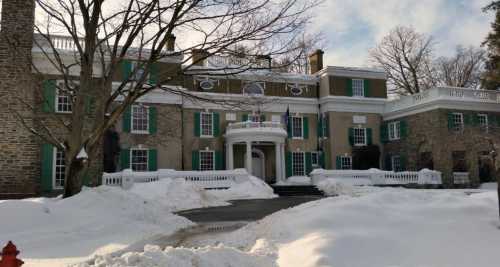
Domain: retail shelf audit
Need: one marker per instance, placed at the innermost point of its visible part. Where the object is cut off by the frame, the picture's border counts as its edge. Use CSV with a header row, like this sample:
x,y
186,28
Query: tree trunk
x,y
74,178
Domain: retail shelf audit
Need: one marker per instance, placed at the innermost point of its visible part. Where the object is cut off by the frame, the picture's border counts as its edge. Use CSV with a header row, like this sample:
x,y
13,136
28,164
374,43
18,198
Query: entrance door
x,y
258,161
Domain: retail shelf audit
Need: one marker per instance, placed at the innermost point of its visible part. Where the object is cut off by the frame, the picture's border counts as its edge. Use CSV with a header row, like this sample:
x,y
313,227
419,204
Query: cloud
x,y
353,27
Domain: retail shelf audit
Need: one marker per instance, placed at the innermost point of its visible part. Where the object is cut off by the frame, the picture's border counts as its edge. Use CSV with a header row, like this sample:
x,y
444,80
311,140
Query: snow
x,y
376,227
488,186
82,154
334,187
253,188
296,180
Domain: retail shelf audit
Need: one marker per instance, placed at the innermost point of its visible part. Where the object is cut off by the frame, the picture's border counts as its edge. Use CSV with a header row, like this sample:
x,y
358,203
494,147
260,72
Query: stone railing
x,y
378,177
444,93
253,125
461,178
205,179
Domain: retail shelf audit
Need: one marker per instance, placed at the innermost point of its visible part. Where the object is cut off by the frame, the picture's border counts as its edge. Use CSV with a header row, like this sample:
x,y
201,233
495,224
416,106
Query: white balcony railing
x,y
233,61
378,177
253,125
60,42
205,179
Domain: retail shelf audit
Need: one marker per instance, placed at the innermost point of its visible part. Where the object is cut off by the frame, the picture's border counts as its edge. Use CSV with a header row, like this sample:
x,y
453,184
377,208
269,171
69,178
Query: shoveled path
x,y
244,210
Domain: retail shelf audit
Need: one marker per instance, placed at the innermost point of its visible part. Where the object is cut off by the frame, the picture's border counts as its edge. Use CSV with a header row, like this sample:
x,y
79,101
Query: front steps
x,y
297,190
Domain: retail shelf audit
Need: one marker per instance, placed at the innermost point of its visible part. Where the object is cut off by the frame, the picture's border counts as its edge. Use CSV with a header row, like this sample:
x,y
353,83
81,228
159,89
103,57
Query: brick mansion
x,y
332,118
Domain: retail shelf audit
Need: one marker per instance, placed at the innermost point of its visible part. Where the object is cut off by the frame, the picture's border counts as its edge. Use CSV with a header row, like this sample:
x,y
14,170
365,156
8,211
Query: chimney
x,y
199,56
316,61
171,42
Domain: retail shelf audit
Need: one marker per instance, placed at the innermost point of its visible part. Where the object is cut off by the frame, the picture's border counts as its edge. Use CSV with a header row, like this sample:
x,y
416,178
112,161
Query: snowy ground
x,y
53,231
367,227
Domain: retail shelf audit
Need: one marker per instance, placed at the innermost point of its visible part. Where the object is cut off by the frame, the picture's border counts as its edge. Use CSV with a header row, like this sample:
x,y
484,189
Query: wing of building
x,y
274,124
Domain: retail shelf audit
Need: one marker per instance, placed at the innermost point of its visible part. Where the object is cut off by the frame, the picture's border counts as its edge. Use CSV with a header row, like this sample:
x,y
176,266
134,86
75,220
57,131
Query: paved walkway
x,y
244,210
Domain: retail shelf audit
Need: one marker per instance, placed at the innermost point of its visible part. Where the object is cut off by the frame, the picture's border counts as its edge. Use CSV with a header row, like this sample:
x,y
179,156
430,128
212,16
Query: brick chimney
x,y
316,61
171,42
199,56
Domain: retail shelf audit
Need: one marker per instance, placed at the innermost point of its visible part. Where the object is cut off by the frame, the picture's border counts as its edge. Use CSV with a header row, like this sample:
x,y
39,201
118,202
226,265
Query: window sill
x,y
140,132
63,112
206,136
360,145
297,138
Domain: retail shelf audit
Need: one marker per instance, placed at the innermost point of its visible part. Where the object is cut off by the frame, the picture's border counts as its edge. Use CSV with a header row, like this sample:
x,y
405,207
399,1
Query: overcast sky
x,y
352,27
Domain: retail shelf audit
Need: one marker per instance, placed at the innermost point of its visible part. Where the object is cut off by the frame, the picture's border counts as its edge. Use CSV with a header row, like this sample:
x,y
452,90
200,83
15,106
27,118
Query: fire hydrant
x,y
9,256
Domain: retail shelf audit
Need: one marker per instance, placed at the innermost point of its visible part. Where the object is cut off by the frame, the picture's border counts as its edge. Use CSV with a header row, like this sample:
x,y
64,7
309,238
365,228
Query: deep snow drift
x,y
374,227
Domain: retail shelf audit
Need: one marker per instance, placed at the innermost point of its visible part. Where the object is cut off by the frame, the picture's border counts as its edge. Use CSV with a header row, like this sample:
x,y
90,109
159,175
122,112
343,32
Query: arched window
x,y
254,89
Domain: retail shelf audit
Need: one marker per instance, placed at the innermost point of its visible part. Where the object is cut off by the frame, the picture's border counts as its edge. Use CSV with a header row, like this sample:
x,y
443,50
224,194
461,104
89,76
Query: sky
x,y
352,27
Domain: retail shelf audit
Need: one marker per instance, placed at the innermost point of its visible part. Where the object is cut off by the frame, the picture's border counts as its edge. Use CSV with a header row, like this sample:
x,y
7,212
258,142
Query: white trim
x,y
351,72
365,138
132,120
201,124
213,159
304,163
137,149
301,137
342,157
396,128
54,165
318,164
362,81
352,104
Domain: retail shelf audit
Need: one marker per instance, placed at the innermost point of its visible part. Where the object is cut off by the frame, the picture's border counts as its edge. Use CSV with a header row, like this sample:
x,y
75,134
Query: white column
x,y
229,156
277,148
283,159
249,157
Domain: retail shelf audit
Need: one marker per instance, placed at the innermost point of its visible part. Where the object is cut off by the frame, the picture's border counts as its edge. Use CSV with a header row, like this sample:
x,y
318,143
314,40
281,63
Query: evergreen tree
x,y
491,79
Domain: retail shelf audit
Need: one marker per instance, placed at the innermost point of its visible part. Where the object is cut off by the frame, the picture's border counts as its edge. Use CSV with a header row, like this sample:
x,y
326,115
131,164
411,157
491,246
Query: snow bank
x,y
488,186
98,220
333,187
296,180
253,188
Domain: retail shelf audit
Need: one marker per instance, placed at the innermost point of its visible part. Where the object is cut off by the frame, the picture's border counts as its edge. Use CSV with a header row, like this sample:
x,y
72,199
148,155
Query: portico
x,y
253,135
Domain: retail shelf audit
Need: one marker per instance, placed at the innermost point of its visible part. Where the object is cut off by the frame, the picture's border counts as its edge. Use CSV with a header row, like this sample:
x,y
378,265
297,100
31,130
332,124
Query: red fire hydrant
x,y
9,256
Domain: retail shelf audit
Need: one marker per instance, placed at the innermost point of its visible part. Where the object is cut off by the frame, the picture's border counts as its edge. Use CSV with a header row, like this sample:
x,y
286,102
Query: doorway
x,y
258,164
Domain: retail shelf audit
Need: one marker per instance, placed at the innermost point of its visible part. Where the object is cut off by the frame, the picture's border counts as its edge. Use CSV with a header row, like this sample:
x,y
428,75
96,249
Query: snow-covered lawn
x,y
368,227
53,231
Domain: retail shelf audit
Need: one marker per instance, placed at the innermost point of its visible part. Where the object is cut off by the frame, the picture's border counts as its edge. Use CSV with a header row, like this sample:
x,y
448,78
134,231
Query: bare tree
x,y
406,57
106,33
464,69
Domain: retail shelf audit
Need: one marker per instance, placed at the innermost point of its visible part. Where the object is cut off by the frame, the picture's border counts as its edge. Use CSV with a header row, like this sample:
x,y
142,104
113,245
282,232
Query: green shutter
x,y
125,159
351,136
468,119
369,134
154,74
338,163
322,159
126,69
244,117
89,105
384,133
195,160
197,124
126,120
153,118
349,87
216,124
262,117
305,125
451,123
47,157
219,160
320,126
152,160
308,163
367,87
288,164
402,159
475,119
403,128
49,95
289,127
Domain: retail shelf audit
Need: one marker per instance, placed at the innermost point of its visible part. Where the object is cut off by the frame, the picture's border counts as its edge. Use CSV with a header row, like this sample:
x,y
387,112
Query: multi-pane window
x,y
458,122
140,119
315,159
298,164
358,88
207,162
359,136
345,163
139,159
63,101
483,121
396,163
297,131
60,168
206,124
394,130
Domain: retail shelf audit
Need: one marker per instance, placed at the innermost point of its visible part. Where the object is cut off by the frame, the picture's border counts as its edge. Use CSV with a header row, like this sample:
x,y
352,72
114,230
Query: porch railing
x,y
378,177
205,179
252,124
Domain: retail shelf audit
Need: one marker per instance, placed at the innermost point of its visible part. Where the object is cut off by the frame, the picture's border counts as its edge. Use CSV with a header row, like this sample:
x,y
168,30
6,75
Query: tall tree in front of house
x,y
491,78
127,39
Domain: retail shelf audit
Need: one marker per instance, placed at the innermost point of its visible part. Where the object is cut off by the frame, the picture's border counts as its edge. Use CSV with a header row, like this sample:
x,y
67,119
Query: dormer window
x,y
254,88
358,88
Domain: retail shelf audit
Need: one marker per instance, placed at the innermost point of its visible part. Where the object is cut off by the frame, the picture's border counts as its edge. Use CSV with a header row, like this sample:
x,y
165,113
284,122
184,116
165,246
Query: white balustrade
x,y
233,61
252,124
60,42
378,177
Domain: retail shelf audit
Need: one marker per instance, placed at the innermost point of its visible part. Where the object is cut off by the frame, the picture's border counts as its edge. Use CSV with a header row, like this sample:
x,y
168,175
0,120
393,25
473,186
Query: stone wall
x,y
19,149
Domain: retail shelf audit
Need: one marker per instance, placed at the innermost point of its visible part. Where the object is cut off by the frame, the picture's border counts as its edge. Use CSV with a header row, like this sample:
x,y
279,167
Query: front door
x,y
257,165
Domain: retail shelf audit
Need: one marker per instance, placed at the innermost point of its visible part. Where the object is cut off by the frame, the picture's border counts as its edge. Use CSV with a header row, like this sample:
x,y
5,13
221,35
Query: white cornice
x,y
352,72
352,104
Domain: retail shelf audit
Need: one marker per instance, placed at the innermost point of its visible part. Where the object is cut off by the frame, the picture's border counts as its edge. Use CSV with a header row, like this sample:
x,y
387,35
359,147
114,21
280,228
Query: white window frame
x,y
345,162
132,158
396,163
60,85
394,130
315,154
132,125
303,163
358,87
211,125
364,137
200,161
301,127
485,124
460,126
55,166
